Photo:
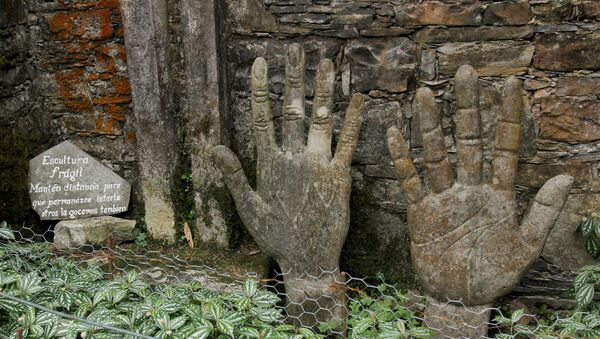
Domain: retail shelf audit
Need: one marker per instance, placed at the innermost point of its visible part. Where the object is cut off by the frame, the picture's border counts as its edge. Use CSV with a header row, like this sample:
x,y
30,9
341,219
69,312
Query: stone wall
x,y
64,76
386,49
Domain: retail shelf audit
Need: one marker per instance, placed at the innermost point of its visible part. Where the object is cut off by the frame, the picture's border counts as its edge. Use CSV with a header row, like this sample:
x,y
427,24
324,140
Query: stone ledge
x,y
77,235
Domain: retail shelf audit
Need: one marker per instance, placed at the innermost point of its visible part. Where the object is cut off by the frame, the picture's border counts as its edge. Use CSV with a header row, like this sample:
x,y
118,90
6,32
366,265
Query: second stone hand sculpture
x,y
299,214
467,246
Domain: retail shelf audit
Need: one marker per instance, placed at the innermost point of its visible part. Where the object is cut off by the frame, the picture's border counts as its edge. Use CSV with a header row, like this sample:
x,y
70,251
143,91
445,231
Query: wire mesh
x,y
45,293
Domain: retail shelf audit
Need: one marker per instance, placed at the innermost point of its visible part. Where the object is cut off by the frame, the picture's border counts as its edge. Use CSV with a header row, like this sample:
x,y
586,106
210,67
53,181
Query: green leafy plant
x,y
382,317
584,322
573,325
33,273
511,325
187,181
585,284
141,239
590,228
5,232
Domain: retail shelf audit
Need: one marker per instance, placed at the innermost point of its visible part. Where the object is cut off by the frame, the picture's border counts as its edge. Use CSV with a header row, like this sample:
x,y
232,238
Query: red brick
x,y
93,24
131,136
108,99
69,85
115,110
113,4
105,126
104,63
121,86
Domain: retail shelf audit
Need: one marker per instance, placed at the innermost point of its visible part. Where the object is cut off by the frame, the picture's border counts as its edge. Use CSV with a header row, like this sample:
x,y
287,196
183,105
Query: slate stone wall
x,y
386,49
64,76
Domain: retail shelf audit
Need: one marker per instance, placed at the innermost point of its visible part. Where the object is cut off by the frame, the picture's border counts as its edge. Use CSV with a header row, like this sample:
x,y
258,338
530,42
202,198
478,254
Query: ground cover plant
x,y
581,322
34,273
590,228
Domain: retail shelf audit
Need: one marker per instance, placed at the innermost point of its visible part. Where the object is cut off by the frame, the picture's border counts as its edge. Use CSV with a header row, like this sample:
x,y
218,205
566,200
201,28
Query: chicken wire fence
x,y
108,291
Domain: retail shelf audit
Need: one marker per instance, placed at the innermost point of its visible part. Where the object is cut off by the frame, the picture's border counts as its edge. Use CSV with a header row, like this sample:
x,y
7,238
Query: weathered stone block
x,y
385,31
250,15
12,13
428,67
437,13
572,120
591,9
383,64
379,115
377,242
507,13
84,234
577,86
567,51
535,175
535,84
347,32
300,8
456,34
565,246
552,11
361,19
489,59
306,18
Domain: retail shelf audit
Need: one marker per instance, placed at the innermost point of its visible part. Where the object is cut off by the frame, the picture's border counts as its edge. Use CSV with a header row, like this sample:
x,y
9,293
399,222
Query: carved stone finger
x,y
545,209
469,147
247,201
319,135
506,145
439,172
262,118
293,101
409,179
349,134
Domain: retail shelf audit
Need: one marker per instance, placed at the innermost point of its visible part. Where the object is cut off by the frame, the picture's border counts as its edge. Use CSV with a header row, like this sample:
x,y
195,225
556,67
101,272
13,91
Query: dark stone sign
x,y
67,183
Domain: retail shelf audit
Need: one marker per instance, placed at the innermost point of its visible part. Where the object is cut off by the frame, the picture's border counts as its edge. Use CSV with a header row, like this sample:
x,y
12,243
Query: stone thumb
x,y
224,158
545,209
233,175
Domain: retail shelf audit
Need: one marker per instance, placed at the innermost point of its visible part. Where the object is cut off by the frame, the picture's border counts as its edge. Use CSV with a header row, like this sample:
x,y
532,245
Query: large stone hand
x,y
466,242
299,214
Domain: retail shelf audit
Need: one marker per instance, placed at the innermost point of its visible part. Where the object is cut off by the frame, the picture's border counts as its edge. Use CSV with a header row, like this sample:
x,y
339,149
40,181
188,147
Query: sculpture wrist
x,y
310,299
456,320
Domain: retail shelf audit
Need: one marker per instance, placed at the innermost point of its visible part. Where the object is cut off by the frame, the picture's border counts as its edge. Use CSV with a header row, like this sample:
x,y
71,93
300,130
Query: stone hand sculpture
x,y
466,243
299,213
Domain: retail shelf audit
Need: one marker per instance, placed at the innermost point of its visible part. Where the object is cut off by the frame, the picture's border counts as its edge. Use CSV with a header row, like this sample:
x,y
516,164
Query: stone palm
x,y
299,213
466,241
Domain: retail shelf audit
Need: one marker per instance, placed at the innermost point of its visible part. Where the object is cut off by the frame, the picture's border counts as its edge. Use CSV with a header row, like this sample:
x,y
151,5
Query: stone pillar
x,y
205,116
146,41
